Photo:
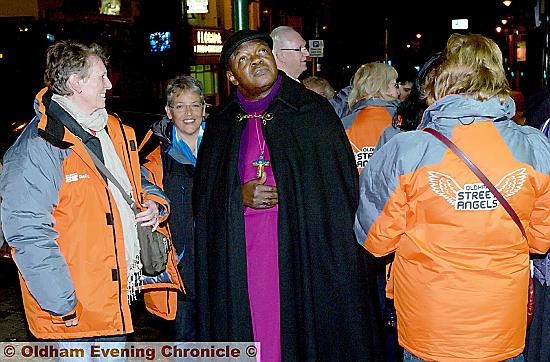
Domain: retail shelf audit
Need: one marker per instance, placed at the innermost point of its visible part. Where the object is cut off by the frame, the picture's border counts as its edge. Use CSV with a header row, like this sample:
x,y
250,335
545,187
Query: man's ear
x,y
74,83
231,77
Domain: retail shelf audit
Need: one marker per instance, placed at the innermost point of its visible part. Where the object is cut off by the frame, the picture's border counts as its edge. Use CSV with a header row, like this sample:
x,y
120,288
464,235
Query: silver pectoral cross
x,y
260,163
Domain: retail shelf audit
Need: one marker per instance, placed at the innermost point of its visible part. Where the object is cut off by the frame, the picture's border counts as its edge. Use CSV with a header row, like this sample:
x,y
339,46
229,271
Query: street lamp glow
x,y
507,2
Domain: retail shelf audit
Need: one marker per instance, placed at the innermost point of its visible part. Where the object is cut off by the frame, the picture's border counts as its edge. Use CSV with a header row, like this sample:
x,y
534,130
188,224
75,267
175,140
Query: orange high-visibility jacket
x,y
63,225
369,118
461,264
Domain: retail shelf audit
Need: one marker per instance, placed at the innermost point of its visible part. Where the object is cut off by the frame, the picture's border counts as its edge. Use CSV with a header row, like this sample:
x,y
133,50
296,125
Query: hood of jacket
x,y
391,106
163,130
464,109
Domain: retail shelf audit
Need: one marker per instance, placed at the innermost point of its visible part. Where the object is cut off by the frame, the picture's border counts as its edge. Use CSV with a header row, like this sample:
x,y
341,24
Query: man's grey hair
x,y
279,35
68,57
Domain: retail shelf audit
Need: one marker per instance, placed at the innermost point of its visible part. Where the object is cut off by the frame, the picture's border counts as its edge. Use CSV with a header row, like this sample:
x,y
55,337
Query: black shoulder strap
x,y
103,169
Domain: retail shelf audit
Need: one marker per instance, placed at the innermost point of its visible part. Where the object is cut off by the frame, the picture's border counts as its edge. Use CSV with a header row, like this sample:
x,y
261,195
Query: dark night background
x,y
354,32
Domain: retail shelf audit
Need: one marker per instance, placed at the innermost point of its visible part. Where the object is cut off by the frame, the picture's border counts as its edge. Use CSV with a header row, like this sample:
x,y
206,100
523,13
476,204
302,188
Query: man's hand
x,y
259,196
149,217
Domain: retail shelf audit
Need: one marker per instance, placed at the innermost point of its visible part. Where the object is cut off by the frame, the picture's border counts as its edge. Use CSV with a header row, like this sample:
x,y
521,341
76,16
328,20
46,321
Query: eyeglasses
x,y
180,107
303,48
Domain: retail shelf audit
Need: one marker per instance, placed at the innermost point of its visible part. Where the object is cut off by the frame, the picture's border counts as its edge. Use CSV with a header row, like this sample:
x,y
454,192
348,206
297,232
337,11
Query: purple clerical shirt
x,y
261,235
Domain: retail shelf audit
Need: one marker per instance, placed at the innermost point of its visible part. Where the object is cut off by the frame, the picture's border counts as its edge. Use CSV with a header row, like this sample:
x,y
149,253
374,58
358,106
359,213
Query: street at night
x,y
317,218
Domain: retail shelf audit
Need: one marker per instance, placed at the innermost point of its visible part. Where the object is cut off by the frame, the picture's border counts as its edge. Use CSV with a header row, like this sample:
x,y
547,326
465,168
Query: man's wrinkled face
x,y
93,87
292,55
252,69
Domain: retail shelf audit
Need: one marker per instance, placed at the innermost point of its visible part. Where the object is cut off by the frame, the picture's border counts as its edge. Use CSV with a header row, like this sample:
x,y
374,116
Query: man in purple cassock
x,y
276,256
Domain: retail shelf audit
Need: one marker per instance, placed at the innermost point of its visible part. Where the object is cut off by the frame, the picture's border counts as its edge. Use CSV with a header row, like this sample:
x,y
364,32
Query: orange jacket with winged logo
x,y
461,263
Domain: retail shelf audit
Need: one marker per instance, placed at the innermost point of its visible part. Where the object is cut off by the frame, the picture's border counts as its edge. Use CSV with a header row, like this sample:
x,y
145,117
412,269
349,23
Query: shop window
x,y
207,74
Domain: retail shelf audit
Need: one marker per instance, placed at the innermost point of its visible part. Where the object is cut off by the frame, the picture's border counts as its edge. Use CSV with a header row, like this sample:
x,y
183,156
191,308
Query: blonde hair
x,y
470,64
371,80
323,84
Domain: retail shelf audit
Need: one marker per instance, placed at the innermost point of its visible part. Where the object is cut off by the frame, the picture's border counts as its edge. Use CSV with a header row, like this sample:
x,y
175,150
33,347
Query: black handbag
x,y
154,246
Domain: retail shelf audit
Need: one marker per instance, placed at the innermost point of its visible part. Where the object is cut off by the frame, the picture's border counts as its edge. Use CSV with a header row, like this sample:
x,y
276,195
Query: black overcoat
x,y
329,305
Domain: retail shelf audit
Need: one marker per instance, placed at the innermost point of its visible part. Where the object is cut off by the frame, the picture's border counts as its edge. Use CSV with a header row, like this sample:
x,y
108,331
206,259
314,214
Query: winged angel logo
x,y
475,196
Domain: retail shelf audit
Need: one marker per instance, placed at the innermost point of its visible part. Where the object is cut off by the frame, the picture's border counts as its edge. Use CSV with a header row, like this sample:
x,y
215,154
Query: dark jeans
x,y
184,326
393,351
407,356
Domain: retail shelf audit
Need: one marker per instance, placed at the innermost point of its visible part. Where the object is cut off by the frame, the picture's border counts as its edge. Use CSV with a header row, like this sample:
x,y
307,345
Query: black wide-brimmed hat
x,y
237,39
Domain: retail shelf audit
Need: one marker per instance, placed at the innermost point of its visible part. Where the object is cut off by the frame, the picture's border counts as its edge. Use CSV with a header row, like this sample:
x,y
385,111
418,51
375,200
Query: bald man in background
x,y
290,51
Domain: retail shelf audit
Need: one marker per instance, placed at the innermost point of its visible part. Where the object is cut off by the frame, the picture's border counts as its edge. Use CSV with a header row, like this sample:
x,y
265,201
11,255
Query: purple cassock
x,y
261,234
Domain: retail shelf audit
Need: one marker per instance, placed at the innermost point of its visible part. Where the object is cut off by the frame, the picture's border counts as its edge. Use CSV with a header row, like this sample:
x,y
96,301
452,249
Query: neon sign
x,y
208,42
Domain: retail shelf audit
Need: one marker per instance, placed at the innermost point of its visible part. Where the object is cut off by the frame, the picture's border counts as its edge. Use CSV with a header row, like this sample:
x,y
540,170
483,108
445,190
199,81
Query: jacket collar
x,y
463,108
59,128
163,130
